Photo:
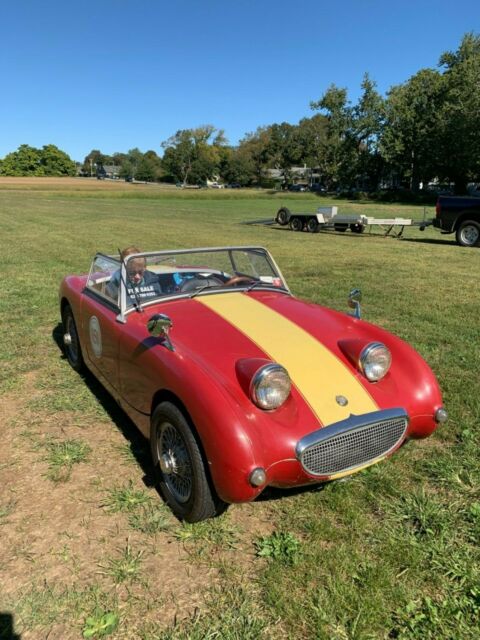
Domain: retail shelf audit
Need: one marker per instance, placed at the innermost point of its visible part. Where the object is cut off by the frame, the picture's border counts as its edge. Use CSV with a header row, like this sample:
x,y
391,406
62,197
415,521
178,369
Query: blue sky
x,y
118,74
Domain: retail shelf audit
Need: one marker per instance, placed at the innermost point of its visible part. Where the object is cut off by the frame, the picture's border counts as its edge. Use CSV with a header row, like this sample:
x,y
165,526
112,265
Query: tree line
x,y
427,128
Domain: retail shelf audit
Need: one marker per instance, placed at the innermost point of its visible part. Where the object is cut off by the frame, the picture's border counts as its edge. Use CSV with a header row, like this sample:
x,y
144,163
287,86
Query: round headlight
x,y
375,360
270,386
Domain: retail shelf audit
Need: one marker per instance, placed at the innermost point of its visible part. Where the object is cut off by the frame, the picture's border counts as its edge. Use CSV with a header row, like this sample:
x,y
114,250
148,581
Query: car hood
x,y
221,331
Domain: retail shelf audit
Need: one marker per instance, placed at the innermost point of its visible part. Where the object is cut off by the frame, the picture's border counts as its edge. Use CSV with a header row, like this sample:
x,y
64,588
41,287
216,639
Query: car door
x,y
99,321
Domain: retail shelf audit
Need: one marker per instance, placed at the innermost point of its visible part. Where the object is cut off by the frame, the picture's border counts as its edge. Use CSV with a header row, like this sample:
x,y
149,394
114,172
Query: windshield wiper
x,y
256,284
195,292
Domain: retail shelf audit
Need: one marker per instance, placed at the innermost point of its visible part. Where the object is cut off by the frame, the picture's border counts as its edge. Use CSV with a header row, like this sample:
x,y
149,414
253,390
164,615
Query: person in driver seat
x,y
141,283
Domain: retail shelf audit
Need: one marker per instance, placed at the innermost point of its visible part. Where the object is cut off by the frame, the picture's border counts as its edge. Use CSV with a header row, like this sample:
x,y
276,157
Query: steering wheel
x,y
239,280
200,281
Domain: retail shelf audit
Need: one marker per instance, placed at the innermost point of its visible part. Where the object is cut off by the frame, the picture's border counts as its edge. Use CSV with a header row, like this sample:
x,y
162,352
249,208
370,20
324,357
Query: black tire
x,y
296,224
283,216
179,466
312,225
357,228
340,227
71,341
468,234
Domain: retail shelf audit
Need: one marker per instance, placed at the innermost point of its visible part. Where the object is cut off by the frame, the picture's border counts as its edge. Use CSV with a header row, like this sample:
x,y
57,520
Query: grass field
x,y
87,548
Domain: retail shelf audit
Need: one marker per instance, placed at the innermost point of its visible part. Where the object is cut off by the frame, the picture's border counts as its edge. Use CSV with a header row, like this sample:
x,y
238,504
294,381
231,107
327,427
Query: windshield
x,y
147,277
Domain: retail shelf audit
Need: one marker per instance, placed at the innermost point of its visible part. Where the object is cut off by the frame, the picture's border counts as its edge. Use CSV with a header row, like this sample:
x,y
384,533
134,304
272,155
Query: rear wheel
x,y
179,466
71,341
357,228
312,225
296,224
283,216
468,233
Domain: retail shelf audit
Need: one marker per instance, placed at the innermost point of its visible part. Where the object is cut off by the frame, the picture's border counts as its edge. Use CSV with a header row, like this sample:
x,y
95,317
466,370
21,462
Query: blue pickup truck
x,y
459,215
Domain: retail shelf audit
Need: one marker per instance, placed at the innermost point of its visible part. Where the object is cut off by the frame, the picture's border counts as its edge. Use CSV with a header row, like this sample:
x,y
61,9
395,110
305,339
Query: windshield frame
x,y
126,309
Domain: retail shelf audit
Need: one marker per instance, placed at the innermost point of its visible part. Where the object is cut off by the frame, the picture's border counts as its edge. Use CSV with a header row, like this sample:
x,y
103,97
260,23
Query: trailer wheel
x,y
312,225
283,216
340,227
356,227
296,224
468,234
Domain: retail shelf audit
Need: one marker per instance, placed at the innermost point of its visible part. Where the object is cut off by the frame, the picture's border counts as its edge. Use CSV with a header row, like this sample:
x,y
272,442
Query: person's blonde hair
x,y
124,253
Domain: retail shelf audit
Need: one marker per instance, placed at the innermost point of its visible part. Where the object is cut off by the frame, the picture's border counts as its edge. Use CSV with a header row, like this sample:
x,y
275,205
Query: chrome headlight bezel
x,y
370,361
270,387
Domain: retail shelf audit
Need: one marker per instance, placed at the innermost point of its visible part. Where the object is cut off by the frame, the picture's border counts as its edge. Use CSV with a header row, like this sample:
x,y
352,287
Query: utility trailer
x,y
329,218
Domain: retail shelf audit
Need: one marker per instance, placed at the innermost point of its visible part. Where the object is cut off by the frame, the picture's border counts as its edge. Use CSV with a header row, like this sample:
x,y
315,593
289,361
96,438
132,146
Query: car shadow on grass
x,y
139,445
6,627
269,494
440,241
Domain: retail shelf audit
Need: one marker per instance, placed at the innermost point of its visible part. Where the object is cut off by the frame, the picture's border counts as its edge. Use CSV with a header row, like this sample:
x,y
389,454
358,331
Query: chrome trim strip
x,y
353,423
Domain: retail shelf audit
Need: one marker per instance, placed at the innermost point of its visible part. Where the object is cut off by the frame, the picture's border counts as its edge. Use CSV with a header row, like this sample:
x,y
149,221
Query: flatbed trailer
x,y
329,218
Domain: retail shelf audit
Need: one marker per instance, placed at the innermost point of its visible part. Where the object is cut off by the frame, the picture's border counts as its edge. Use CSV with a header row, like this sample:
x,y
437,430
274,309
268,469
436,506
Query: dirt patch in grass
x,y
73,183
65,536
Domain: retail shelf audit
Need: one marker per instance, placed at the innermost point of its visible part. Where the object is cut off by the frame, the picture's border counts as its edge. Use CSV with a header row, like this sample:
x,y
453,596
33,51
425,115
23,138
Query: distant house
x,y
298,175
112,171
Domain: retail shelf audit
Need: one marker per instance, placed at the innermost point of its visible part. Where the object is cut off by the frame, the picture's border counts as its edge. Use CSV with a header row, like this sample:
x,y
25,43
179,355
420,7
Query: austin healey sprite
x,y
238,384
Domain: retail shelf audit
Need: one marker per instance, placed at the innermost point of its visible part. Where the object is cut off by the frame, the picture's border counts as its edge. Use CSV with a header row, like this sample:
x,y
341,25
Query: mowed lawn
x,y
87,548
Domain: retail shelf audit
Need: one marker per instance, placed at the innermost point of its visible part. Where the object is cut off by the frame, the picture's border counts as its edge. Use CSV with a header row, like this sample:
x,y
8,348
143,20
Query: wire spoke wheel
x,y
72,348
179,465
71,340
175,462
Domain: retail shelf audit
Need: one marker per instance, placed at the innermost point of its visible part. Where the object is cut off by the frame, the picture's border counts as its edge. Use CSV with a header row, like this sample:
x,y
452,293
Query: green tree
x,y
312,138
93,161
284,149
25,161
193,155
254,150
459,116
368,118
29,161
149,167
410,141
338,159
55,162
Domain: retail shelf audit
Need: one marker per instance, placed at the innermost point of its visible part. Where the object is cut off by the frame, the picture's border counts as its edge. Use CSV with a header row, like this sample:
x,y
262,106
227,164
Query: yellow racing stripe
x,y
316,372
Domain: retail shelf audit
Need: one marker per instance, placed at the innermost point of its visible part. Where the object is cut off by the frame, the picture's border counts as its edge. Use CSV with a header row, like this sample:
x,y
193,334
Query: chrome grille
x,y
352,443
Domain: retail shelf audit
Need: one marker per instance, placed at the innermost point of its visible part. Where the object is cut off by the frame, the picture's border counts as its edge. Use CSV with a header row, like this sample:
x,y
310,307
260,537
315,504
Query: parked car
x,y
238,384
233,185
318,188
298,187
215,185
459,215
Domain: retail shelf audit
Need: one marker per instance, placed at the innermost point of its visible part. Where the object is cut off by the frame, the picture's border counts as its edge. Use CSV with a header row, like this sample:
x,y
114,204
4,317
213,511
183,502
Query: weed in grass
x,y
5,510
281,546
454,616
125,499
131,453
421,514
45,605
126,567
150,519
218,532
232,614
100,624
61,456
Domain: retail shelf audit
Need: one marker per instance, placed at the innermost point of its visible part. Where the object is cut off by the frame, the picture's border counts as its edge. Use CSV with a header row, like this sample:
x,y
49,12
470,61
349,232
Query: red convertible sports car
x,y
238,384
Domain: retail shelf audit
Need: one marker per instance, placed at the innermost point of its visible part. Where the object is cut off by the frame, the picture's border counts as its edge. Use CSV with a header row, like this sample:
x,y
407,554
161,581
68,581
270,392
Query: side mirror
x,y
354,299
159,326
